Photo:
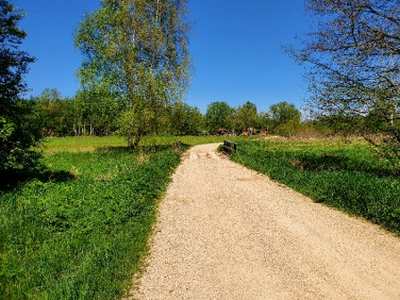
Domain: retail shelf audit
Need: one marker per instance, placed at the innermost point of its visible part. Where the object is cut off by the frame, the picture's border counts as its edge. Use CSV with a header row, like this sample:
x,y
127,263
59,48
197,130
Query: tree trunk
x,y
134,144
130,143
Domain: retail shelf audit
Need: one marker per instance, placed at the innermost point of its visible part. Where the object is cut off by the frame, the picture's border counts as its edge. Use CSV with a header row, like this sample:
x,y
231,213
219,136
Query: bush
x,y
288,129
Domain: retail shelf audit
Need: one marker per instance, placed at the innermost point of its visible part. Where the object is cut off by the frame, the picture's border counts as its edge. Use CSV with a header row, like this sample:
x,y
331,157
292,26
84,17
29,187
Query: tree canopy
x,y
218,115
246,116
284,112
17,134
140,49
353,62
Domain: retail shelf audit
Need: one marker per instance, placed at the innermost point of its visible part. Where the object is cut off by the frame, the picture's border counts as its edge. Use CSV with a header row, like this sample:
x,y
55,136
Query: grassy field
x,y
347,176
76,228
90,144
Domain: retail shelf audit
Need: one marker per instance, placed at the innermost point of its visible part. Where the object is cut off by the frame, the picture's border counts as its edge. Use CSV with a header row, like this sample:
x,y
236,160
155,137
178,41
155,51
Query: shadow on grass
x,y
12,180
147,149
334,163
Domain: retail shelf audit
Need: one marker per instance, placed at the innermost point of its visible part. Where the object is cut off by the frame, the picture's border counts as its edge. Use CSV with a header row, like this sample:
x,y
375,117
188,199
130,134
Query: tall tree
x,y
186,120
218,115
265,120
140,48
96,110
284,112
246,116
55,114
49,106
17,135
353,61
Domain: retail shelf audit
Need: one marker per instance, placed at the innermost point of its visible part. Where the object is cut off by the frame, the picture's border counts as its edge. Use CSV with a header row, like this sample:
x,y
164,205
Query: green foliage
x,y
54,113
265,120
287,129
283,112
218,115
17,134
97,107
186,120
352,66
13,62
77,231
246,116
346,176
139,50
6,129
135,123
92,112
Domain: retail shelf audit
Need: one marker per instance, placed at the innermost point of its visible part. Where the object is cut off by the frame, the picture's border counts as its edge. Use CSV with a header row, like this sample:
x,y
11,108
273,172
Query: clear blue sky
x,y
236,49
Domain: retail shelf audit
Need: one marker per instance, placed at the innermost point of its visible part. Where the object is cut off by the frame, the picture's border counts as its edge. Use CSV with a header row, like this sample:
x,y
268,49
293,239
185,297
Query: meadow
x,y
77,227
341,174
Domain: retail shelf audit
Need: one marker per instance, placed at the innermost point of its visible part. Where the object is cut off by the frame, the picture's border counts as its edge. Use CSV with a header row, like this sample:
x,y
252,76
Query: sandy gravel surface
x,y
225,232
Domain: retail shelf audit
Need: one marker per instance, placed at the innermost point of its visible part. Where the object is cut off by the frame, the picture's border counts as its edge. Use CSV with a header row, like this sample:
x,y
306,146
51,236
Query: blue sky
x,y
236,49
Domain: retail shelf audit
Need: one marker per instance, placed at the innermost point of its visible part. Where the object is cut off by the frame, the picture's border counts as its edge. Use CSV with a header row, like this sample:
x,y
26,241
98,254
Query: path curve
x,y
225,232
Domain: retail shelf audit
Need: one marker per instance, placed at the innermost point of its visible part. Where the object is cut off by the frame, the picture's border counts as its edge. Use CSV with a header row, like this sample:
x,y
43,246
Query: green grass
x,y
77,228
90,144
345,176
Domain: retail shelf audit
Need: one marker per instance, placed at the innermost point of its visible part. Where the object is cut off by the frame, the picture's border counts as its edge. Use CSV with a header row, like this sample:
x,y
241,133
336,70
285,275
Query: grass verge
x,y
345,176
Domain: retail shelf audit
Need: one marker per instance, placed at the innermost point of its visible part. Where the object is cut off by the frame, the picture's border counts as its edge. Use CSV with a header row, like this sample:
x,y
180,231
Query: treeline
x,y
97,113
282,118
88,113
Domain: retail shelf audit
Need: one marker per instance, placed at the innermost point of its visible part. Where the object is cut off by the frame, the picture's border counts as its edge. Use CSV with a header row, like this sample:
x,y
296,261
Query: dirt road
x,y
225,232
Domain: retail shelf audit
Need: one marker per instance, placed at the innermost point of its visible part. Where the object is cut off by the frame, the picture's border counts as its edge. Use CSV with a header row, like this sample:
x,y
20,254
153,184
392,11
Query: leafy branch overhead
x,y
353,63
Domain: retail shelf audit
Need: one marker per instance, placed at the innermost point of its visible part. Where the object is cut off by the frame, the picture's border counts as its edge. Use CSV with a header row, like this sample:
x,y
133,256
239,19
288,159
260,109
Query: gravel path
x,y
225,232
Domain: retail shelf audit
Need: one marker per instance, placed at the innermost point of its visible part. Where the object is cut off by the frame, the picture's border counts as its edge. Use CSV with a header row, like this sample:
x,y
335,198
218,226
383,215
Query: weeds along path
x,y
225,232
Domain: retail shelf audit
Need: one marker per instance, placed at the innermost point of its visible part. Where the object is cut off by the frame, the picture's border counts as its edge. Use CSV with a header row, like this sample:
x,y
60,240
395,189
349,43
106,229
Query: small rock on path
x,y
226,232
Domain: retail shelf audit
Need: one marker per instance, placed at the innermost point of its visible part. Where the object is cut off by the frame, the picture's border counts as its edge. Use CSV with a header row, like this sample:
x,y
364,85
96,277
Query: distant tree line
x,y
98,113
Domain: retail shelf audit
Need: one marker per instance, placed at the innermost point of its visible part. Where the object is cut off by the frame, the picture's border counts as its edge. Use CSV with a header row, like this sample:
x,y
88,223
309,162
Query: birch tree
x,y
140,49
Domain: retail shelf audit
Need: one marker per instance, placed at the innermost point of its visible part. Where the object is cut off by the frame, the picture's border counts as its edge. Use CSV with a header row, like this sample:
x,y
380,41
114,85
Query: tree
x,y
353,63
140,49
17,135
283,113
54,113
218,115
265,120
186,120
97,110
246,116
49,106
